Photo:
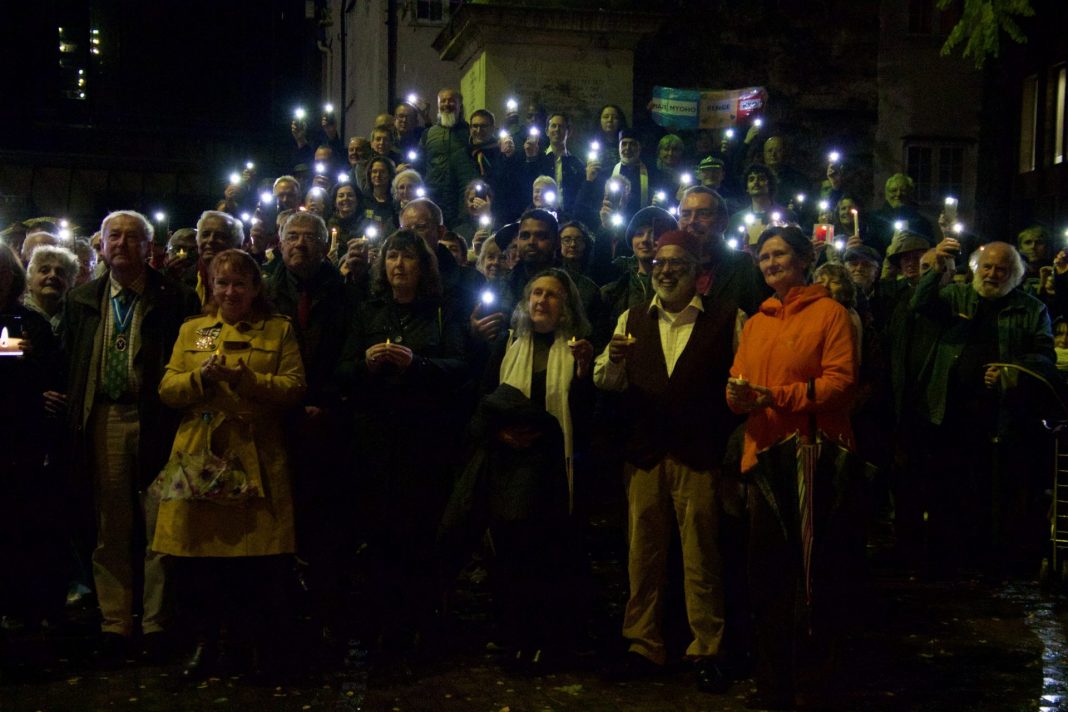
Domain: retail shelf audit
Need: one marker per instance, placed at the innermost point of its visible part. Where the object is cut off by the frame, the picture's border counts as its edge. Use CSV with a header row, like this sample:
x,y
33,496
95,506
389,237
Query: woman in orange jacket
x,y
795,365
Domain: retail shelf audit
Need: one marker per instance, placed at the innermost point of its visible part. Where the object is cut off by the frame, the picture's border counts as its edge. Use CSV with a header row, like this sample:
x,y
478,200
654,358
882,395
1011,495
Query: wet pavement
x,y
947,645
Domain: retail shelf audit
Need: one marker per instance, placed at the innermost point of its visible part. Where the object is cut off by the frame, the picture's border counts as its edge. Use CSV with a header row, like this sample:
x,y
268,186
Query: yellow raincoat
x,y
247,422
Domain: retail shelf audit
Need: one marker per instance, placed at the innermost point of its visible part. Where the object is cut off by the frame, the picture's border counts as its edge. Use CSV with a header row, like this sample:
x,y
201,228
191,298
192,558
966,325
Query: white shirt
x,y
675,331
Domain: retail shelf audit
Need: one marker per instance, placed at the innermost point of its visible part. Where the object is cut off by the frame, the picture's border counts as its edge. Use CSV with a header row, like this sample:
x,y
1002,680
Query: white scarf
x,y
517,370
644,180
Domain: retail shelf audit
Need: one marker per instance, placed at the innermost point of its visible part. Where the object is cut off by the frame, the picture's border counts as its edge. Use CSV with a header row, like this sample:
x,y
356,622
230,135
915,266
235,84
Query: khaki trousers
x,y
114,433
672,494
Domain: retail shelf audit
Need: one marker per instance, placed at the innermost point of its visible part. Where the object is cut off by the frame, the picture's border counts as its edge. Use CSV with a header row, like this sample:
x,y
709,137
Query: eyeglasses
x,y
702,214
570,241
298,236
674,263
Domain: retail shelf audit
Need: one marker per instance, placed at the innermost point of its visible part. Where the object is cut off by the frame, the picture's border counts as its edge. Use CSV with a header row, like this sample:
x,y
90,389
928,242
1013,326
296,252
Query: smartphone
x,y
950,210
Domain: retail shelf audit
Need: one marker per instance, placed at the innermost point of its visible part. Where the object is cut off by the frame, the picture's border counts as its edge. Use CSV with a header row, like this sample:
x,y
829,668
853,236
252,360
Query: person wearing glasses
x,y
669,358
726,272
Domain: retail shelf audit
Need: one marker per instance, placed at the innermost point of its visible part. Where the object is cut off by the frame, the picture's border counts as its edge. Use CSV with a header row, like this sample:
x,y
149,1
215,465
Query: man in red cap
x,y
669,358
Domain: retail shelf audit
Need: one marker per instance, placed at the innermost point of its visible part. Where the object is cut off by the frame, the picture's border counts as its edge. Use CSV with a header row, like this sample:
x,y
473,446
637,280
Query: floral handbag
x,y
197,472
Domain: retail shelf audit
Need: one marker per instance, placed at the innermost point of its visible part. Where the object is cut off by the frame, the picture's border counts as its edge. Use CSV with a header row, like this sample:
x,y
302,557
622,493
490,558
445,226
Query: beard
x,y
447,119
989,291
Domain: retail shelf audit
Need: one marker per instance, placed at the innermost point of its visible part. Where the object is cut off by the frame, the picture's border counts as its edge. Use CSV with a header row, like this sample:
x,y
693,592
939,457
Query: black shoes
x,y
710,677
203,663
155,648
632,666
111,649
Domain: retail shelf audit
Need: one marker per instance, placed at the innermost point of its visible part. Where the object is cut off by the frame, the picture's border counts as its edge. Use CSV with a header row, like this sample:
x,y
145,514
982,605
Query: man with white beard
x,y
448,163
980,466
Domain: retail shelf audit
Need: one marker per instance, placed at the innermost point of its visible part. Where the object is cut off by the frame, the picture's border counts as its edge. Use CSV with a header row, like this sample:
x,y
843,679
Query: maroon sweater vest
x,y
686,415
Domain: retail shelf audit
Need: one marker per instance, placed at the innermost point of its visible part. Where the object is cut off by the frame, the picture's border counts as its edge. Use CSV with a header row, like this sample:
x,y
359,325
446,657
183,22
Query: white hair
x,y
237,230
146,226
60,255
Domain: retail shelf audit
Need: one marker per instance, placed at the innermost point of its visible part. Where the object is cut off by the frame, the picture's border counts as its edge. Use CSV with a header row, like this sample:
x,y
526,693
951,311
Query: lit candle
x,y
333,239
572,341
856,220
181,253
9,346
388,342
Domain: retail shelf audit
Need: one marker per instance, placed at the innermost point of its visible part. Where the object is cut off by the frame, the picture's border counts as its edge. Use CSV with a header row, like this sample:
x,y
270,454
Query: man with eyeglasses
x,y
670,359
726,274
500,171
311,292
461,285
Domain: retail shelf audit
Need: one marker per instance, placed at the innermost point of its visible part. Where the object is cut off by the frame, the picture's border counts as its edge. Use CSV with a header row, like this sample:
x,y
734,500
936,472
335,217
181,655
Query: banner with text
x,y
705,109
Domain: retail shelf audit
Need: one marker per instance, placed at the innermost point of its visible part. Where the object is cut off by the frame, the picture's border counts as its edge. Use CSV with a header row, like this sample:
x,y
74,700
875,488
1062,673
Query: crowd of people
x,y
465,339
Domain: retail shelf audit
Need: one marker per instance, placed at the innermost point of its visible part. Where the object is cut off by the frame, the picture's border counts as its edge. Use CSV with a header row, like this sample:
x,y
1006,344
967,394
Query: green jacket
x,y
449,167
1024,337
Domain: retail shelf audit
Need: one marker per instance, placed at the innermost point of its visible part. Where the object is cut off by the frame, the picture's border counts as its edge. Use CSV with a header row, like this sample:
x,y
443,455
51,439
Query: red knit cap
x,y
687,241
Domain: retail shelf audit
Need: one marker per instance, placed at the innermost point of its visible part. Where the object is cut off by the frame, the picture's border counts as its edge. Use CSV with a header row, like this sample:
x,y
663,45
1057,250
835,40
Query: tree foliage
x,y
981,24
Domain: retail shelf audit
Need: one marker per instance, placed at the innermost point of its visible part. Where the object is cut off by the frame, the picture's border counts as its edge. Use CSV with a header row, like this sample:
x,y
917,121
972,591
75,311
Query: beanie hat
x,y
687,241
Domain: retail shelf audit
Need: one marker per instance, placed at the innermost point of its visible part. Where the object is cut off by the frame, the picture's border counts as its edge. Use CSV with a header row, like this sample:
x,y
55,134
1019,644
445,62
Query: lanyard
x,y
122,314
644,181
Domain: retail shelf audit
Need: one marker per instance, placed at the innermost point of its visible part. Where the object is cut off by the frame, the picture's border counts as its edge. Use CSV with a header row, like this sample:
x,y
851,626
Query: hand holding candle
x,y
10,346
619,346
582,352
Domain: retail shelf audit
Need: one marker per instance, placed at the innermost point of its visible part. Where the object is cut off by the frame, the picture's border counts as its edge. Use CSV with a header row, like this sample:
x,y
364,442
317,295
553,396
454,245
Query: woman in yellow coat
x,y
234,369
